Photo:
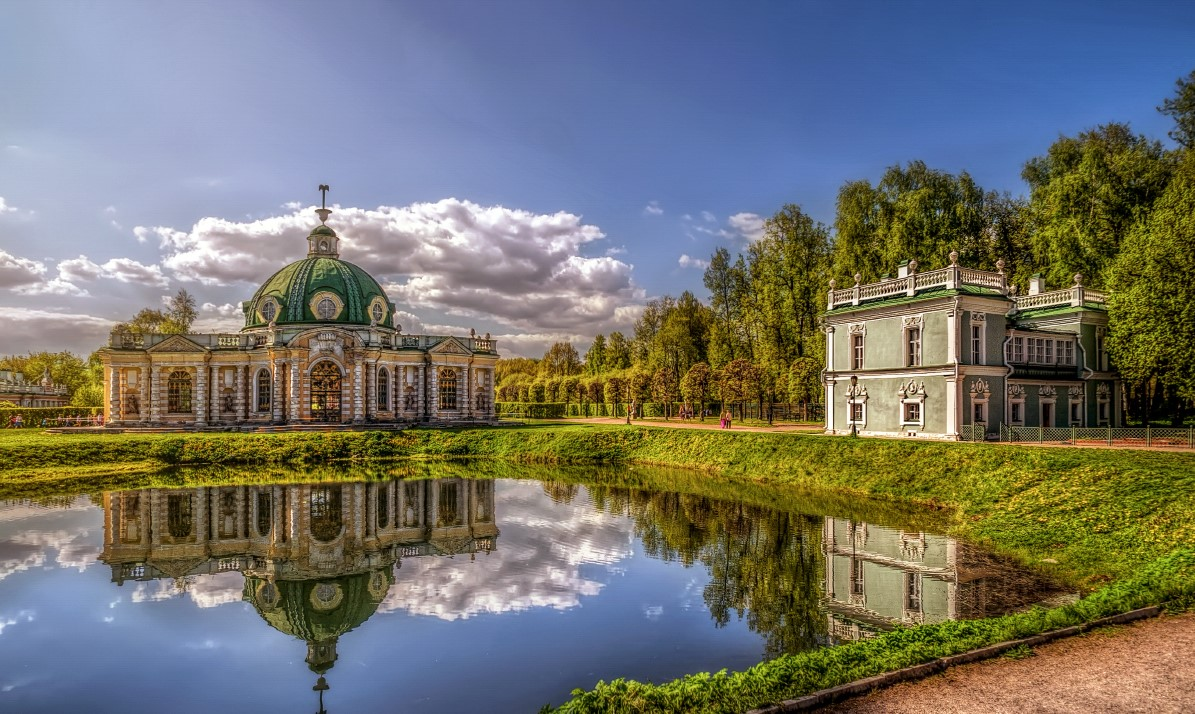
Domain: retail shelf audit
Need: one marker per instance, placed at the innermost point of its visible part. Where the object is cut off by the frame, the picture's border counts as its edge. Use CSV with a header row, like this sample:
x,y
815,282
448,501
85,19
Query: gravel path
x,y
1148,666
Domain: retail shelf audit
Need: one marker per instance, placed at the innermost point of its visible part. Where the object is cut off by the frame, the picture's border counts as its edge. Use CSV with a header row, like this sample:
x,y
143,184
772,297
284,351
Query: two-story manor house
x,y
318,346
956,350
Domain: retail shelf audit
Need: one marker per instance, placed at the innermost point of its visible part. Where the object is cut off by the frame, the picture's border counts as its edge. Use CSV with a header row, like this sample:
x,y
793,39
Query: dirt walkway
x,y
1143,667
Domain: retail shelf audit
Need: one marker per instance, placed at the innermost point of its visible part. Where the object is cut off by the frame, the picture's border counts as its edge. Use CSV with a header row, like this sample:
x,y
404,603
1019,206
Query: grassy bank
x,y
1118,524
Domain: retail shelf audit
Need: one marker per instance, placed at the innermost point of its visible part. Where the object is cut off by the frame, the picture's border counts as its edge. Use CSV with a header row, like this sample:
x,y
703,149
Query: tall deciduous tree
x,y
561,360
1152,302
1181,108
1086,193
696,386
595,356
618,352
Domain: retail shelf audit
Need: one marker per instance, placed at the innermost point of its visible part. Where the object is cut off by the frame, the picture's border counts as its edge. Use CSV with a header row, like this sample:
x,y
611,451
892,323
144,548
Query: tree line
x,y
1112,205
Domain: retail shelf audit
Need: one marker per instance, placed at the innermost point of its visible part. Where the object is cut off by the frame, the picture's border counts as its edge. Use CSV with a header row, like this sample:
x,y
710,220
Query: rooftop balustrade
x,y
953,277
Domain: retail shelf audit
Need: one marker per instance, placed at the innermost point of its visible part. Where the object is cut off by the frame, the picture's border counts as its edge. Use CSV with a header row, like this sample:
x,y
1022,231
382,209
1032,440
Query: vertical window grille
x,y
913,591
178,515
447,509
263,390
914,347
856,576
178,392
326,516
976,344
856,412
1049,353
383,389
1067,353
448,388
1018,349
913,412
856,351
383,506
265,513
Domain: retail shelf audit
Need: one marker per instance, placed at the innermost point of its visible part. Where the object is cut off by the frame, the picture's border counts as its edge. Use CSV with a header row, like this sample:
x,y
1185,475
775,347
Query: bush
x,y
32,416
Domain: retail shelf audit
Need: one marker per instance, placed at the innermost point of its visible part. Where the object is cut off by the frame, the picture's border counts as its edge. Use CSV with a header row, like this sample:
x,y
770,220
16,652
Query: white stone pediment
x,y
177,343
450,346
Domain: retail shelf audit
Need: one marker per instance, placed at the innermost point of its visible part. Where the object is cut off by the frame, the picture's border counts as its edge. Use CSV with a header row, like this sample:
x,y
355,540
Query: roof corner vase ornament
x,y
323,211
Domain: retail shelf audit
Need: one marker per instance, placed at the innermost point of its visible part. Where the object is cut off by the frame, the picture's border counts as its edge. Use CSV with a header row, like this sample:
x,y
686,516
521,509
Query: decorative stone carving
x,y
979,389
1075,392
856,391
1102,391
857,328
912,389
1047,391
912,321
1016,391
978,318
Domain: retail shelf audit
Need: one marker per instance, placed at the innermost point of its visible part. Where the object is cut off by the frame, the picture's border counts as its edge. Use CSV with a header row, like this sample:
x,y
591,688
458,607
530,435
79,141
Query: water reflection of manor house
x,y
876,577
317,558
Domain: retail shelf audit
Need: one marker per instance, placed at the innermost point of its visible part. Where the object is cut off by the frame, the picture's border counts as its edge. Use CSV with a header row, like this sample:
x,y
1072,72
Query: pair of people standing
x,y
725,419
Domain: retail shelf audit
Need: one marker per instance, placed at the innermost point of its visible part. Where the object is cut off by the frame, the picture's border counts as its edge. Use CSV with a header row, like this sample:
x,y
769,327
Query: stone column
x,y
206,502
421,405
276,388
358,396
293,411
239,400
157,518
200,402
155,396
115,413
467,388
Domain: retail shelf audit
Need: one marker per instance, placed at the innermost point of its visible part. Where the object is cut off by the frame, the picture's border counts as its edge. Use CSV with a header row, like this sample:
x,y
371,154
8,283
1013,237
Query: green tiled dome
x,y
293,289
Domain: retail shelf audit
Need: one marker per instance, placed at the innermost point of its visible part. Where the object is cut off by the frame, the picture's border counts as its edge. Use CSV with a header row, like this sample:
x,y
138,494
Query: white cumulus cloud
x,y
523,269
653,208
19,272
748,225
686,261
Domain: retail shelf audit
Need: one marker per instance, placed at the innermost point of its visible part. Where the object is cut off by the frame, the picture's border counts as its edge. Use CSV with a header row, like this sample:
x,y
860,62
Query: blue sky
x,y
536,170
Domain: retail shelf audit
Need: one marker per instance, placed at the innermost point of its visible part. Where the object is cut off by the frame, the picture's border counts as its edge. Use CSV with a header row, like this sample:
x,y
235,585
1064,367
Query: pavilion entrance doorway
x,y
325,393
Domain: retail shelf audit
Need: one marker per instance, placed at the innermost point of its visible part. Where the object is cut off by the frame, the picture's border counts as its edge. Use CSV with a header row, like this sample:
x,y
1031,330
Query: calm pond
x,y
441,594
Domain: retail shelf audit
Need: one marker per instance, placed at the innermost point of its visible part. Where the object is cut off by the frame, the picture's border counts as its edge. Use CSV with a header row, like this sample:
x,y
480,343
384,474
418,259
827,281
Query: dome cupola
x,y
321,288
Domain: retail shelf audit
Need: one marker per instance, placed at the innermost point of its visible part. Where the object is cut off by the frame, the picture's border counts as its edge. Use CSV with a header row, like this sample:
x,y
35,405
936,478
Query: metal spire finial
x,y
323,211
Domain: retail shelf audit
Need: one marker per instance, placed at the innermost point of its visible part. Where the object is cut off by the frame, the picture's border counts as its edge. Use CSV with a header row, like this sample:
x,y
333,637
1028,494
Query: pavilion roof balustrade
x,y
257,338
954,277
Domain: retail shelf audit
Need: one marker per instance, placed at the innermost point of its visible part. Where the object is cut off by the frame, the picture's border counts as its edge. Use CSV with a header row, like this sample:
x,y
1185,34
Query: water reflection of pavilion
x,y
877,577
317,558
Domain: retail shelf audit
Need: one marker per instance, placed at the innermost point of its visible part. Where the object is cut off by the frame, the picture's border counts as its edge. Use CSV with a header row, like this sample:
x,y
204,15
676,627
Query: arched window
x,y
263,390
323,246
178,392
383,389
448,388
178,515
383,506
326,517
265,512
377,311
326,309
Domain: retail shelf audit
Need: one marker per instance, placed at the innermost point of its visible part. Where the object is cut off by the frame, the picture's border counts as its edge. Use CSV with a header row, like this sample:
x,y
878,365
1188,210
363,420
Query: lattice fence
x,y
1109,436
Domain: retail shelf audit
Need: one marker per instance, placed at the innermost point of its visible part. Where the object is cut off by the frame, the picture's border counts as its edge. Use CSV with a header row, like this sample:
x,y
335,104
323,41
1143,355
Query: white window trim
x,y
269,380
1020,403
912,393
979,320
858,397
1071,413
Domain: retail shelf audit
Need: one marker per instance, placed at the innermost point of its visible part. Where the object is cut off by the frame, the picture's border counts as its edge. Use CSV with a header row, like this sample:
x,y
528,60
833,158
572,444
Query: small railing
x,y
951,276
1150,436
1075,296
982,278
932,279
228,341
